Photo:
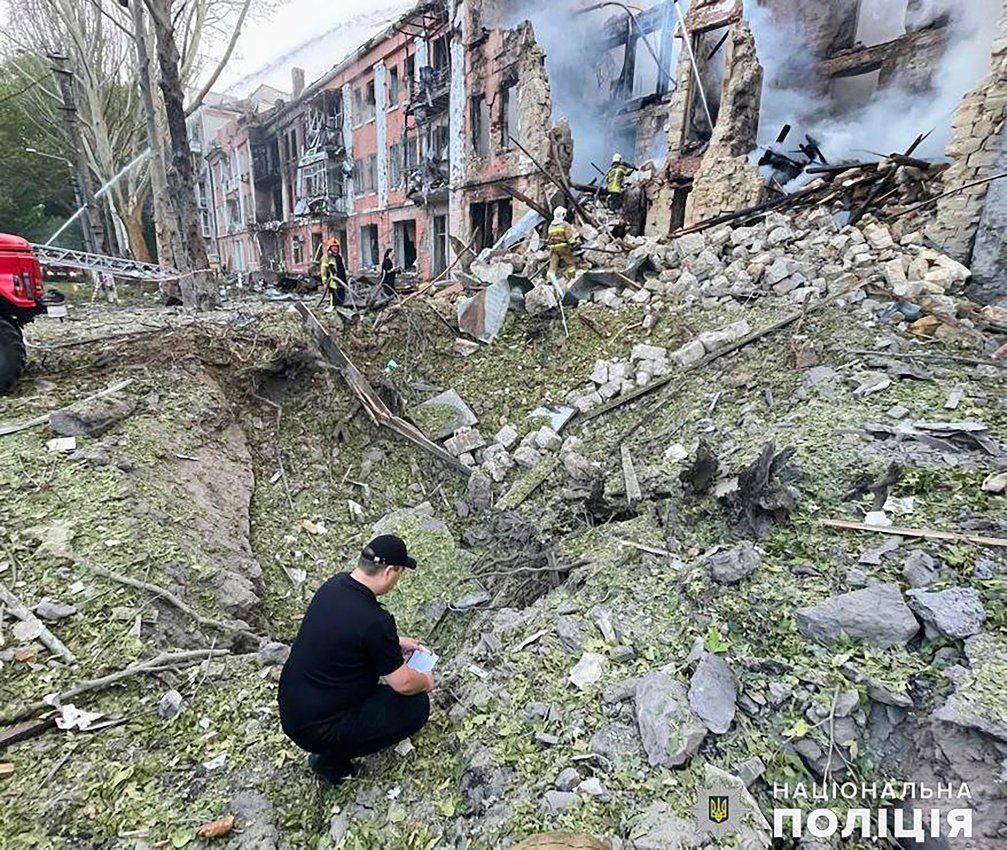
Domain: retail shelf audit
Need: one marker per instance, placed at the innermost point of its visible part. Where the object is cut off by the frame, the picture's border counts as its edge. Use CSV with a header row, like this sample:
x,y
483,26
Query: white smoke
x,y
581,73
894,116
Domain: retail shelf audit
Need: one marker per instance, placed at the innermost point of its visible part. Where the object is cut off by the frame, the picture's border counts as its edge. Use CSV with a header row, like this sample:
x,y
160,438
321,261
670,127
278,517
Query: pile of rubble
x,y
611,379
809,256
884,273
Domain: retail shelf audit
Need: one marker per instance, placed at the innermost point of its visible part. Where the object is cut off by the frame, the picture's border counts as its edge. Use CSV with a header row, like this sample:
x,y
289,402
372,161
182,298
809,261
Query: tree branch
x,y
167,596
151,665
198,99
19,610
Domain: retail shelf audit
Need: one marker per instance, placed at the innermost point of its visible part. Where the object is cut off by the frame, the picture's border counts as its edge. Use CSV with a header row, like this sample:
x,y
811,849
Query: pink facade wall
x,y
369,208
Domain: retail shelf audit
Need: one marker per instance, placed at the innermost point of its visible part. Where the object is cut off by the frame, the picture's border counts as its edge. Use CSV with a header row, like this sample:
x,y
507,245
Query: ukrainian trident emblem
x,y
720,807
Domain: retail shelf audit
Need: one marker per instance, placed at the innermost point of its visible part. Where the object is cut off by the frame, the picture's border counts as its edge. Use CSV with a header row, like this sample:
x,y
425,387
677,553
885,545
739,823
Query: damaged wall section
x,y
725,178
975,215
508,96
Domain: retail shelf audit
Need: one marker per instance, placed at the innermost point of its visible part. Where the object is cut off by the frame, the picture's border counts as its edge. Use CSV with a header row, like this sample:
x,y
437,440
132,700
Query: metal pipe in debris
x,y
695,64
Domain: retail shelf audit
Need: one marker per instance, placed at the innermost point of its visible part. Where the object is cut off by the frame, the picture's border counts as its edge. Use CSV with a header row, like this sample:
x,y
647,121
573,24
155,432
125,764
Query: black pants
x,y
381,721
615,201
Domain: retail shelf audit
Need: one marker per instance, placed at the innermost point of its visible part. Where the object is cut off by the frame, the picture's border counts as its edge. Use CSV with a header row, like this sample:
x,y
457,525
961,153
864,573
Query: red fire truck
x,y
22,298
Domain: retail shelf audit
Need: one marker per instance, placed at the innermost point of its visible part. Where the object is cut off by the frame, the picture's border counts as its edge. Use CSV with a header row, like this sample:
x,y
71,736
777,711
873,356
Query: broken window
x,y
358,177
409,70
879,21
371,101
393,86
440,243
479,111
508,114
504,218
395,164
369,245
855,90
439,135
405,243
412,158
358,107
372,173
710,49
490,220
645,71
297,250
316,245
440,53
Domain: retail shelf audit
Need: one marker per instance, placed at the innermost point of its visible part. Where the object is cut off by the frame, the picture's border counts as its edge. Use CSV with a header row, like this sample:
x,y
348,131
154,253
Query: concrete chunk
x,y
712,340
648,352
689,354
877,615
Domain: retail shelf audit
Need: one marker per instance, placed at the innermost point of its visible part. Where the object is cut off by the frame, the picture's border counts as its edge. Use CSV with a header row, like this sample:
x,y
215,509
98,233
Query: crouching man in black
x,y
331,703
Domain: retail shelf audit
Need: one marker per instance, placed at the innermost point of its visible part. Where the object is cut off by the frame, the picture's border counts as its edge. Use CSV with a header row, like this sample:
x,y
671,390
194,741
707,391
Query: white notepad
x,y
422,660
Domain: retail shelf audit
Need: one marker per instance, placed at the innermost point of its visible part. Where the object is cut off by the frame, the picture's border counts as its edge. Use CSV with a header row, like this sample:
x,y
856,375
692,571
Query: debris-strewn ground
x,y
237,473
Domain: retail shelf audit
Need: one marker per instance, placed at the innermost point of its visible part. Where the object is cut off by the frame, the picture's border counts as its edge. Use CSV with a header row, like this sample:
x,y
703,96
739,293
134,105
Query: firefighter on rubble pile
x,y
614,180
561,238
334,275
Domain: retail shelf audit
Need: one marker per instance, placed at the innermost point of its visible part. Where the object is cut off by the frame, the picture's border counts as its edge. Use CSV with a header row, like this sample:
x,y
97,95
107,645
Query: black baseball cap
x,y
388,550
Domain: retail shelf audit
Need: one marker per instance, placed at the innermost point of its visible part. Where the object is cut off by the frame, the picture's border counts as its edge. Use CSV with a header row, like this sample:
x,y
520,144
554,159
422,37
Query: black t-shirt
x,y
346,641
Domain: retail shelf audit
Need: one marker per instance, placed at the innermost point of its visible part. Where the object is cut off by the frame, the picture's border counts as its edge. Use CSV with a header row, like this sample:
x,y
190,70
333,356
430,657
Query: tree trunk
x,y
198,290
165,230
167,245
134,229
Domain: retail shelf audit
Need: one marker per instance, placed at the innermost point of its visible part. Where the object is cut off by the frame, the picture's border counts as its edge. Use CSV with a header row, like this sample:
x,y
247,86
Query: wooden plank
x,y
633,492
643,547
44,418
748,339
24,731
518,195
926,533
883,185
371,402
871,58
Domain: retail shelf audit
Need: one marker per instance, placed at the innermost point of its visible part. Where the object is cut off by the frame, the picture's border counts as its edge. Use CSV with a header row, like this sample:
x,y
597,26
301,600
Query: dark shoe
x,y
335,773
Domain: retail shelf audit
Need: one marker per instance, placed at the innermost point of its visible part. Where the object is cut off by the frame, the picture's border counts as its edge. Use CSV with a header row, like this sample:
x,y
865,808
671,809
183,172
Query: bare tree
x,y
197,287
100,60
109,51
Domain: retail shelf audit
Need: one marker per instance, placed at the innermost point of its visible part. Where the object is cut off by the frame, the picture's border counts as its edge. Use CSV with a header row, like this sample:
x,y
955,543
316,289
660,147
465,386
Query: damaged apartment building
x,y
462,117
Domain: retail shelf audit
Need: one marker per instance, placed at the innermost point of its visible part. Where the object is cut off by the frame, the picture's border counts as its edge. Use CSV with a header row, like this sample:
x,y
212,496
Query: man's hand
x,y
408,645
407,681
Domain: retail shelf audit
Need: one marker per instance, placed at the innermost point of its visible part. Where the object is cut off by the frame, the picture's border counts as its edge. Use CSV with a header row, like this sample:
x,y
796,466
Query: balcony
x,y
321,183
430,93
427,183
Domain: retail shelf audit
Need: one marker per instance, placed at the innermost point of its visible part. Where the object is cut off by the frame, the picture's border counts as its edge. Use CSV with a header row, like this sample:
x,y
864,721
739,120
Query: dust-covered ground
x,y
237,473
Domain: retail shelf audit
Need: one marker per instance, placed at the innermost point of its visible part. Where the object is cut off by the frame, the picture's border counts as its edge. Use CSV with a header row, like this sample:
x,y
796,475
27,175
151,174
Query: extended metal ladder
x,y
50,255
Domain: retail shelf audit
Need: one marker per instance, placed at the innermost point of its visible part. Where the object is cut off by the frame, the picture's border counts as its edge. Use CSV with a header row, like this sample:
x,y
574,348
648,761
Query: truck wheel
x,y
12,354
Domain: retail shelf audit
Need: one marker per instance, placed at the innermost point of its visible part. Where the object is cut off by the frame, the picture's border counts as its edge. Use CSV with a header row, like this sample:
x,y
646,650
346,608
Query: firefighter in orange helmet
x,y
334,275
